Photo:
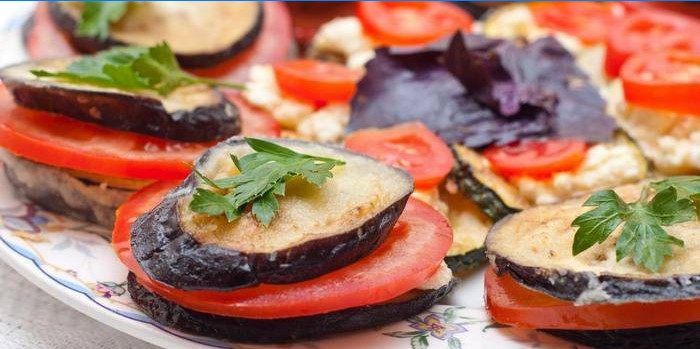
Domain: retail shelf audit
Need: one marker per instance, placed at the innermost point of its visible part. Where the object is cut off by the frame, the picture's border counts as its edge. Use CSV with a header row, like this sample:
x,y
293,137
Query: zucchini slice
x,y
469,227
200,34
473,175
261,331
316,230
534,247
195,113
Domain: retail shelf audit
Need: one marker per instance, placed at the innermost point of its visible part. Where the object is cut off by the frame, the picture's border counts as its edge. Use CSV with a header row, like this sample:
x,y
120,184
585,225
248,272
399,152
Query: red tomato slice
x,y
316,81
663,80
45,40
646,31
411,23
588,21
65,142
410,146
511,303
409,256
536,158
254,121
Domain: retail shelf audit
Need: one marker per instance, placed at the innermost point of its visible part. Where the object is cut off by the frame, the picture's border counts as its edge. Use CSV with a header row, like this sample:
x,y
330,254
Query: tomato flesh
x,y
588,21
316,81
646,31
537,158
663,80
410,146
411,253
61,141
273,44
513,304
411,23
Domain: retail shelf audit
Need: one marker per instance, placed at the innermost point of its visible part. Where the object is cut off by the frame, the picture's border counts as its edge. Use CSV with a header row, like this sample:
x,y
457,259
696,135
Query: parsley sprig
x,y
643,237
262,178
97,17
131,68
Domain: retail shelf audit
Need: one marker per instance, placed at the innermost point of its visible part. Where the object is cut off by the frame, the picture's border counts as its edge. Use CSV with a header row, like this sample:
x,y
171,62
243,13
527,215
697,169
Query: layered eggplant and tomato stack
x,y
80,134
618,269
524,122
214,39
272,242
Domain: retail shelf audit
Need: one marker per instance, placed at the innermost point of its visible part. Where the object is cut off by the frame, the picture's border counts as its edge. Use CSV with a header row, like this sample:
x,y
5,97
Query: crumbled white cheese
x,y
326,124
513,21
298,118
344,37
441,277
670,140
605,165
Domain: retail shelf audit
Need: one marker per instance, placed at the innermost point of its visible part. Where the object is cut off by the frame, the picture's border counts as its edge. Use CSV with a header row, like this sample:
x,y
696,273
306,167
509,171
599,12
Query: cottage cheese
x,y
343,37
516,20
605,165
297,118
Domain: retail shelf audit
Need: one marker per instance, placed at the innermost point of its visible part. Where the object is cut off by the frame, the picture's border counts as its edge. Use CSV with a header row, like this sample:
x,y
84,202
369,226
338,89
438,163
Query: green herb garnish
x,y
677,200
262,178
97,16
131,68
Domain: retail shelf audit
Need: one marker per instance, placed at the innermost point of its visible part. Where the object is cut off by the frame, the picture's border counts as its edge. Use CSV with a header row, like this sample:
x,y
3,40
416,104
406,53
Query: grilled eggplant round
x,y
262,331
200,34
317,230
59,191
196,113
674,336
534,247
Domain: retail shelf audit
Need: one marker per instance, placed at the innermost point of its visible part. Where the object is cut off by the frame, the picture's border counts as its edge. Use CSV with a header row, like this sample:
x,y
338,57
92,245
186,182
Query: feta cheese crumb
x,y
327,124
344,37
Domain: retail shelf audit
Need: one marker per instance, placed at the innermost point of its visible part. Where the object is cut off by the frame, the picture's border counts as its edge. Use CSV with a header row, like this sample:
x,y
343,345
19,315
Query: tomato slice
x,y
65,142
45,40
511,303
409,256
537,158
663,80
588,21
254,121
316,81
646,31
411,23
409,146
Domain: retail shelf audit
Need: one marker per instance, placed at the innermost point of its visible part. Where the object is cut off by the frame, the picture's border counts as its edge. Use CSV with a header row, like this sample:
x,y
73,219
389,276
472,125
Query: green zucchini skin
x,y
262,331
487,199
674,336
469,260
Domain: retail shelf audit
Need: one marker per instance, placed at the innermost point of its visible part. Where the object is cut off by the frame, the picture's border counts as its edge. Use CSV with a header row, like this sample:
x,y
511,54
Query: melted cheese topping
x,y
357,192
542,237
605,165
300,119
343,37
189,28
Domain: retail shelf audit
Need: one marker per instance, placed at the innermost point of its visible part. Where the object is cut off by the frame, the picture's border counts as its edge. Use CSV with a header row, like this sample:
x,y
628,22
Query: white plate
x,y
65,259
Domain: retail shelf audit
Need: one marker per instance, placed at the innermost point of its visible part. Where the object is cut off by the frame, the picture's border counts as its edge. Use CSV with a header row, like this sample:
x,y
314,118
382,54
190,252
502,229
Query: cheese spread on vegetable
x,y
343,37
605,165
298,119
513,21
441,277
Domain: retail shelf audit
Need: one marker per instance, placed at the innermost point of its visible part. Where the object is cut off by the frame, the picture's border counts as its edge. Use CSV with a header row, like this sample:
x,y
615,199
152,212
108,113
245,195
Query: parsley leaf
x,y
132,69
97,16
263,176
643,236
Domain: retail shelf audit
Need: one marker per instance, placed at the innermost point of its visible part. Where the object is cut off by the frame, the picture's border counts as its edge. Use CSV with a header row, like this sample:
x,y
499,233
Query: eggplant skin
x,y
130,112
467,261
570,285
67,24
674,336
62,193
172,256
262,331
